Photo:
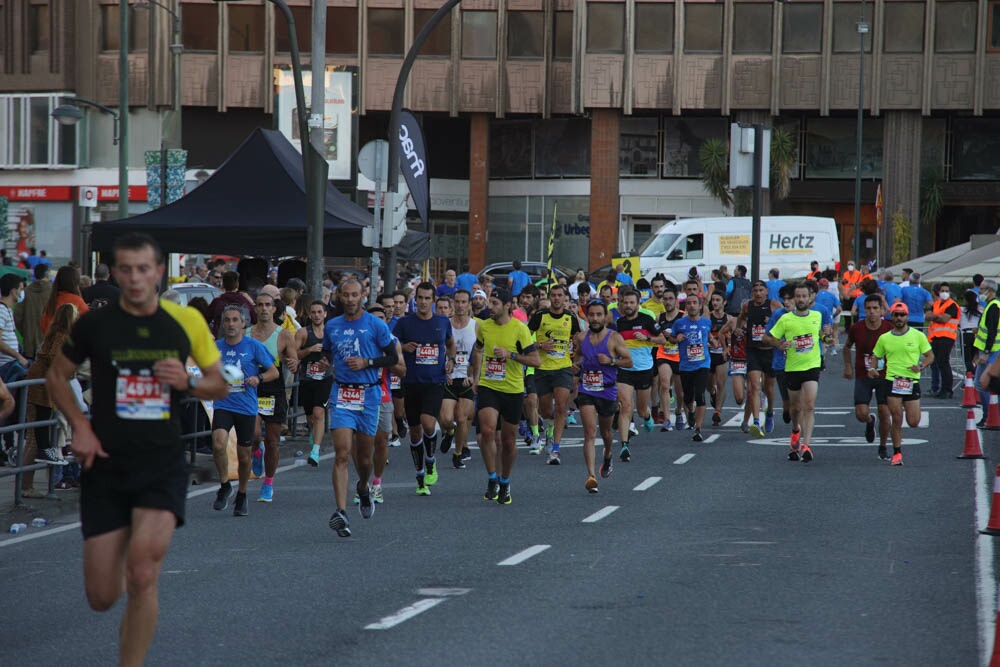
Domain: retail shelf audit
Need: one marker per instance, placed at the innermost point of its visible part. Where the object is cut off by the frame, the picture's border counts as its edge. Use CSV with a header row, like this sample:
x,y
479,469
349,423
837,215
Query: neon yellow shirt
x,y
503,376
901,351
804,332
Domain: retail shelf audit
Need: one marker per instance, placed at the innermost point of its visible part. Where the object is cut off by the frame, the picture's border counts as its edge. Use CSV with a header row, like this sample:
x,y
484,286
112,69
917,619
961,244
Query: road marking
x,y
711,438
833,412
845,441
925,420
829,426
404,614
647,483
600,514
522,556
985,578
442,592
682,460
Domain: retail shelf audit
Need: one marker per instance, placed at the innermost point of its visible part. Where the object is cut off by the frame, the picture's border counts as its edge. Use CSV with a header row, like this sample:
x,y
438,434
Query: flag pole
x,y
552,240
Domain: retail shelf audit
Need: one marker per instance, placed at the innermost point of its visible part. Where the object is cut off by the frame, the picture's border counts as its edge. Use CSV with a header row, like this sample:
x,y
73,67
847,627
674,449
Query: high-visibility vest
x,y
947,329
814,275
982,334
851,281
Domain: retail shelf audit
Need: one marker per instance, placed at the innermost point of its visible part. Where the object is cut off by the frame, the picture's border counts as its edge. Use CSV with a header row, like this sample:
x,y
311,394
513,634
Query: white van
x,y
788,242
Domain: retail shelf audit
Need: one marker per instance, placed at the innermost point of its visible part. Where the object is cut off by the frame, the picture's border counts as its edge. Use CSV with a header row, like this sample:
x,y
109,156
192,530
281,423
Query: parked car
x,y
189,291
501,270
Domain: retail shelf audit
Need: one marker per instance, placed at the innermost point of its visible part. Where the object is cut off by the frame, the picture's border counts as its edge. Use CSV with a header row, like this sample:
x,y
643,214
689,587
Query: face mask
x,y
20,297
945,295
850,267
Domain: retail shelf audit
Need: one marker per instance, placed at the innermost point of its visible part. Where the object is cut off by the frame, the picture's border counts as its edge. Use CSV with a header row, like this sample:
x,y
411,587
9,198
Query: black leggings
x,y
941,347
43,434
693,383
968,338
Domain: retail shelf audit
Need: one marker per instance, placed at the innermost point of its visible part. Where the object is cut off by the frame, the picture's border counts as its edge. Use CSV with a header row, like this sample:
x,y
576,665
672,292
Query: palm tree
x,y
714,157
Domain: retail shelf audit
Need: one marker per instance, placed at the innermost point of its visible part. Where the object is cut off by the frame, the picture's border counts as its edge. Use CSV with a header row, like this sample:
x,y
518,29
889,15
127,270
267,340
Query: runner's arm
x,y
617,346
529,357
270,374
286,346
399,368
300,340
474,362
388,358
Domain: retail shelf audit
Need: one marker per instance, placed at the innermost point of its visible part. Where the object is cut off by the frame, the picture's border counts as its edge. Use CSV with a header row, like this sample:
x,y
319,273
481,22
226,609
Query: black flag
x,y
413,162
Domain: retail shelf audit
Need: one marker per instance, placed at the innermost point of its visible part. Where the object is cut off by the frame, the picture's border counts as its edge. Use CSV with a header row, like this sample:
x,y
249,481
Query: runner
x,y
429,352
655,305
457,407
863,335
737,361
315,380
271,398
254,366
135,479
641,334
380,458
905,352
503,347
399,302
718,348
786,293
692,335
531,423
359,344
599,353
754,315
800,331
554,327
668,364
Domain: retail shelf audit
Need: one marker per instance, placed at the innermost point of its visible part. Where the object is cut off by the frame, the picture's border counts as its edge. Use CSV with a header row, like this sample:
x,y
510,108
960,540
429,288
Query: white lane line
x,y
442,592
600,514
925,420
647,483
684,459
829,426
404,614
985,578
522,556
711,438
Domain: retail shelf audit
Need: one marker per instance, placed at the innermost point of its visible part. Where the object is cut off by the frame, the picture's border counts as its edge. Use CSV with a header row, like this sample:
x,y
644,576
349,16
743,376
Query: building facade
x,y
593,110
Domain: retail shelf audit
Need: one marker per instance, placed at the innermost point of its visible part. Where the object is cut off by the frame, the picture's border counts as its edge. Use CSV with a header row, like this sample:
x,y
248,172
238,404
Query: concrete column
x,y
901,181
479,189
604,198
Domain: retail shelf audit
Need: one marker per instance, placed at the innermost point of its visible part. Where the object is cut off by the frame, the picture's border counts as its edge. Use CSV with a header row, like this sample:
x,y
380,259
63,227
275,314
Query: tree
x,y
714,157
900,236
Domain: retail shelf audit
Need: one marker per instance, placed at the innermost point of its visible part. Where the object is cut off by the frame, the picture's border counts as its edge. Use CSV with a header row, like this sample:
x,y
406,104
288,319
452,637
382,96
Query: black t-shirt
x,y
100,294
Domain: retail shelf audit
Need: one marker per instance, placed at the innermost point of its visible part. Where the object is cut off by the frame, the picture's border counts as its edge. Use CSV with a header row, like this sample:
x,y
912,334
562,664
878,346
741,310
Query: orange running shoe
x,y
897,459
591,484
807,454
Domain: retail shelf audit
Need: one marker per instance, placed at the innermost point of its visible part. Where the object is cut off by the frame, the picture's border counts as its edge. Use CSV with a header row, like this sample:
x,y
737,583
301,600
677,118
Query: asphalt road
x,y
693,554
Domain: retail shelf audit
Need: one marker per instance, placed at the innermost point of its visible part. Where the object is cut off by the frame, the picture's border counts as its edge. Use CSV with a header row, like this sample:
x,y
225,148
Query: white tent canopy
x,y
980,254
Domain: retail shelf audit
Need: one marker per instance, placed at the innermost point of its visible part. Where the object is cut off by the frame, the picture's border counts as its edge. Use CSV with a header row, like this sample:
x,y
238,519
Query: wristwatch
x,y
192,382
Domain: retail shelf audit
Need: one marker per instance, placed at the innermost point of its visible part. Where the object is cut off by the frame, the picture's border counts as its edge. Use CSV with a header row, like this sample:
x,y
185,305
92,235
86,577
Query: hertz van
x,y
788,242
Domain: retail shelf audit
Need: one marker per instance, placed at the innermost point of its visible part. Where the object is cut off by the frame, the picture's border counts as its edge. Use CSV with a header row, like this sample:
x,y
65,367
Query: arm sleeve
x,y
536,320
574,327
388,357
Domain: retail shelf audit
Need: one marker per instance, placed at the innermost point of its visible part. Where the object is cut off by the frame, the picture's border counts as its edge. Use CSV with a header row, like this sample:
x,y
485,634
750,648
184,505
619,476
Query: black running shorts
x,y
109,494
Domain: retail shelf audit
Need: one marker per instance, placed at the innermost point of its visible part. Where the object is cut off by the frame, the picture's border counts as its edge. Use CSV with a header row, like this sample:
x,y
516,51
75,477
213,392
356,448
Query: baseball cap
x,y
270,290
823,282
501,294
899,307
479,292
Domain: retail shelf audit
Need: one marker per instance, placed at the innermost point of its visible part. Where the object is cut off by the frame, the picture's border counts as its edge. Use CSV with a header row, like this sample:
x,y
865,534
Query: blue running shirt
x,y
253,359
364,337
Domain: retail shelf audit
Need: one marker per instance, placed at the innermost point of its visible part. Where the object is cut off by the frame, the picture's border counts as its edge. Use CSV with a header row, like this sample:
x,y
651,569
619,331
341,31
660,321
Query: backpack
x,y
741,294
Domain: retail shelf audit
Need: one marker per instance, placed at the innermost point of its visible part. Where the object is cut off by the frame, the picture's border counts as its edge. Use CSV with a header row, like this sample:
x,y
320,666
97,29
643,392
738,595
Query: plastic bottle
x,y
16,528
39,522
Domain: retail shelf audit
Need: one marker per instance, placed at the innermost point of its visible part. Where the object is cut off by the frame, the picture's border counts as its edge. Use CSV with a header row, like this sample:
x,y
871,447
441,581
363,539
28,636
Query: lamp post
x,y
69,113
173,129
863,28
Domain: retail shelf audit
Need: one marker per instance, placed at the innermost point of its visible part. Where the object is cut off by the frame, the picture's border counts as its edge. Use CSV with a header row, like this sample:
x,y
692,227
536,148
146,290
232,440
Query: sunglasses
x,y
899,314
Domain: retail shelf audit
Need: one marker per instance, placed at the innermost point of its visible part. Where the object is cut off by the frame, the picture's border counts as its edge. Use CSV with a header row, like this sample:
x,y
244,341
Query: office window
x,y
831,148
385,32
200,27
303,30
993,20
605,27
974,146
682,140
845,27
562,148
703,27
904,27
479,34
654,27
510,149
138,28
439,41
40,26
29,137
246,29
342,30
562,36
802,27
525,34
955,29
752,27
638,147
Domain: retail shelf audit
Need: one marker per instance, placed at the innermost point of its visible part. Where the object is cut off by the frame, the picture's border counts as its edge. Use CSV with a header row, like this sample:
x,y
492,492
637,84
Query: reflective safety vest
x,y
947,329
851,281
982,334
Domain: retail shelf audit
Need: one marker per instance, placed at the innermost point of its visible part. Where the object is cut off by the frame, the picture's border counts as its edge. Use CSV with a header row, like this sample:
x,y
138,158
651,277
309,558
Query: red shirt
x,y
864,340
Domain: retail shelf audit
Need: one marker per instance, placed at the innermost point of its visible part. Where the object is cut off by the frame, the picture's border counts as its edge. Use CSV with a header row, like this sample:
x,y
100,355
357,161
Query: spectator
x,y
28,315
13,365
773,284
968,322
942,330
32,259
543,279
102,292
621,277
516,280
290,298
447,288
85,282
890,289
977,280
486,284
578,279
172,295
904,275
231,296
43,258
737,291
65,289
916,299
201,305
466,280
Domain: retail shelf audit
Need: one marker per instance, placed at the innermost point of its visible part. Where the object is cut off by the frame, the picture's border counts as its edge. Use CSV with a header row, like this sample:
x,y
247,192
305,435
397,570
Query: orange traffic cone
x,y
993,527
970,397
973,450
993,415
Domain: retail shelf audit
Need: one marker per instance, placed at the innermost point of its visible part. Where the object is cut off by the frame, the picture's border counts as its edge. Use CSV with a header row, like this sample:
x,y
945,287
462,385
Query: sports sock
x,y
534,430
268,480
555,447
376,481
503,480
493,476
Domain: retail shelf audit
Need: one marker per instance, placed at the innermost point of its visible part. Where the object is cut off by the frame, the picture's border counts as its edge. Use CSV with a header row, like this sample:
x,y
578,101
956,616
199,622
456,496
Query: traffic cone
x,y
973,450
993,415
970,397
993,527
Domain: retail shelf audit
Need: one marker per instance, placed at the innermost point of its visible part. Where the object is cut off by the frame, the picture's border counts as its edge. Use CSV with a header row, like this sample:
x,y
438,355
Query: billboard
x,y
338,116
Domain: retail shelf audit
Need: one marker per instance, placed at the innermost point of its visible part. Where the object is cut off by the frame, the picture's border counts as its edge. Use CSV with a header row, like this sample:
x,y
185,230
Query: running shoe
x,y
313,459
422,488
240,506
466,455
607,468
793,455
648,424
744,427
697,435
535,446
897,459
768,422
667,426
377,493
756,431
394,441
870,429
431,476
883,453
492,489
632,429
522,429
457,462
366,506
625,455
446,441
53,456
503,494
571,419
807,454
554,459
222,497
717,418
338,522
266,493
591,484
357,499
257,462
679,422
794,439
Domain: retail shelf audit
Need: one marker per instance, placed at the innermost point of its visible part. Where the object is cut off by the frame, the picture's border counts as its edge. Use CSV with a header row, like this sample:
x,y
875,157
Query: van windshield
x,y
658,245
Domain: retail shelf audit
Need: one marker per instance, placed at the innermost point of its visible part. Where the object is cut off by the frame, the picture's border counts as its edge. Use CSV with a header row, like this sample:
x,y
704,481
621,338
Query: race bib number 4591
x,y
141,396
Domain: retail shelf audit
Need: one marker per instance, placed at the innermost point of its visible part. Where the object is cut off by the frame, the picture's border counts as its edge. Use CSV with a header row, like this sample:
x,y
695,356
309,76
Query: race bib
x,y
593,381
671,349
559,349
350,398
803,343
141,396
696,352
314,371
427,355
496,369
394,381
738,367
869,362
236,385
757,332
715,345
265,406
461,363
902,386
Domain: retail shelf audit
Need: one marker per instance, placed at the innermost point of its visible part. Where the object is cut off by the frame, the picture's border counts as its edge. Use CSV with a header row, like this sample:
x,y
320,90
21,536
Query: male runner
x,y
457,407
718,349
380,457
503,348
554,327
863,336
135,479
786,293
655,305
599,352
531,422
668,363
642,335
359,344
272,403
905,352
799,333
692,334
754,315
315,380
429,352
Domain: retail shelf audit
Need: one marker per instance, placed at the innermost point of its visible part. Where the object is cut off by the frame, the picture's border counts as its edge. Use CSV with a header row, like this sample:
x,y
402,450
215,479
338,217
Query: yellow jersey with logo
x,y
558,328
503,375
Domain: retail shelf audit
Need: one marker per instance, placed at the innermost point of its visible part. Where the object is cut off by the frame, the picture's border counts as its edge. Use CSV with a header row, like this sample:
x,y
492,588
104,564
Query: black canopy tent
x,y
254,204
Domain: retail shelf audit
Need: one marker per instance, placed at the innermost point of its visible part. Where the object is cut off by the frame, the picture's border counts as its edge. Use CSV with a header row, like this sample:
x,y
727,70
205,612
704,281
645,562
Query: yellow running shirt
x,y
558,328
901,351
503,376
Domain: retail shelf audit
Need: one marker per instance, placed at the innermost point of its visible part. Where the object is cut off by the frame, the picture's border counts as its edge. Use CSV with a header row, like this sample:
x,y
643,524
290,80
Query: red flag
x,y
878,207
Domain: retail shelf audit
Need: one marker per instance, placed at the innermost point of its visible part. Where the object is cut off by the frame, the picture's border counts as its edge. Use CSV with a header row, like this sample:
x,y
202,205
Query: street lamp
x,y
862,28
70,113
173,129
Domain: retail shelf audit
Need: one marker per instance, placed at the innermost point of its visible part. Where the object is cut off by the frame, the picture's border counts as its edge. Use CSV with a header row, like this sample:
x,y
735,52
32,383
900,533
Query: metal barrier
x,y
20,390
